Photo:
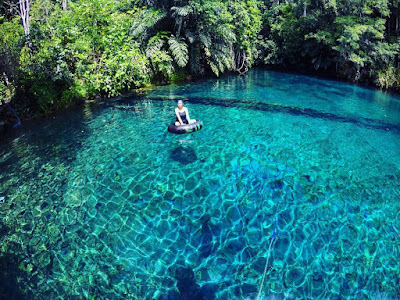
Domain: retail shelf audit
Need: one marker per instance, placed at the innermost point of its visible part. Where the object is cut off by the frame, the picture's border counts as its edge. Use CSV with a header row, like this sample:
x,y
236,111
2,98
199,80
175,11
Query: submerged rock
x,y
73,200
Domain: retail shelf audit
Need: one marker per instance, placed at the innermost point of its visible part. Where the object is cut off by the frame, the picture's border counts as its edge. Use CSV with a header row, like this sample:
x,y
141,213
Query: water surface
x,y
104,202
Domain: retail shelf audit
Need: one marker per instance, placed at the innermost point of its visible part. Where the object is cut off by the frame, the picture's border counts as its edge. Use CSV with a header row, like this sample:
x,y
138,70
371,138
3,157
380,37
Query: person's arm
x,y
178,116
187,115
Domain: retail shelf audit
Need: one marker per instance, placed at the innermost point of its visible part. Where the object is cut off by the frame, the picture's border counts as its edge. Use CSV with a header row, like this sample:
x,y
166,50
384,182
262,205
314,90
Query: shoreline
x,y
8,120
330,76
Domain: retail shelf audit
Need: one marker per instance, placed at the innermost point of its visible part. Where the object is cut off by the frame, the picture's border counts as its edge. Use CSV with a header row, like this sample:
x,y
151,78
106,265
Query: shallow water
x,y
104,202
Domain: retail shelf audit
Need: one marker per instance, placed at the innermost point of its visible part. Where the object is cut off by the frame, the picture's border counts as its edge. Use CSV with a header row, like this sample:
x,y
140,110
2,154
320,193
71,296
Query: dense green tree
x,y
351,39
57,52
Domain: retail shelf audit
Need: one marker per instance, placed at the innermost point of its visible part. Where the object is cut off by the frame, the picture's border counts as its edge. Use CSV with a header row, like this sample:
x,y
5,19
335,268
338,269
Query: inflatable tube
x,y
187,128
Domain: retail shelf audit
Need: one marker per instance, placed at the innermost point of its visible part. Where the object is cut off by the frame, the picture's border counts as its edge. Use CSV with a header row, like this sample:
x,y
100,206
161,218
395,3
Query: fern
x,y
153,47
214,68
205,39
207,52
227,34
156,43
179,50
190,36
146,21
220,46
181,11
219,59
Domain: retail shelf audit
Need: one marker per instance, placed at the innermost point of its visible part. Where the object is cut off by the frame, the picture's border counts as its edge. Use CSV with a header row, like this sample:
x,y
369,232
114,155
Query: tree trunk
x,y
8,84
178,33
305,10
64,4
240,61
24,8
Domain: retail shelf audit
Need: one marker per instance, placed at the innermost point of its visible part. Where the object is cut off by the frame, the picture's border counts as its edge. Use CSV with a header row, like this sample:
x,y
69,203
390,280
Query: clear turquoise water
x,y
103,201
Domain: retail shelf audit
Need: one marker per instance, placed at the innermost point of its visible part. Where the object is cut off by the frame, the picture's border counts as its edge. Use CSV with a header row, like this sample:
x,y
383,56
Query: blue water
x,y
102,201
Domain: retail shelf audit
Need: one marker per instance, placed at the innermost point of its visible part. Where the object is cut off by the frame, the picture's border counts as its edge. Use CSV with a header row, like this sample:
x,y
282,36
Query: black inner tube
x,y
187,128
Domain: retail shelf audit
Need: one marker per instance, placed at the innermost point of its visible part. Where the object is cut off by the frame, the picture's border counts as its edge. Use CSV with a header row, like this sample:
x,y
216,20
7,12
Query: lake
x,y
101,201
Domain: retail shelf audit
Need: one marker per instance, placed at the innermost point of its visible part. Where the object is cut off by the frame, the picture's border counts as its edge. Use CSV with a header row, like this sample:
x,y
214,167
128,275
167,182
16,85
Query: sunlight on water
x,y
104,202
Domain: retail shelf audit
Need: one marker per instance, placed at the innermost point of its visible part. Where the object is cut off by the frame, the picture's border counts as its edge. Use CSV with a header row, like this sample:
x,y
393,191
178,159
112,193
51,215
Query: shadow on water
x,y
9,287
188,288
59,137
47,142
292,110
38,147
184,155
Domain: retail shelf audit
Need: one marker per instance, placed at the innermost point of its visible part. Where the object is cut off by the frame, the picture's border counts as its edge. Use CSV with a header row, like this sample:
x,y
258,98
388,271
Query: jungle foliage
x,y
54,52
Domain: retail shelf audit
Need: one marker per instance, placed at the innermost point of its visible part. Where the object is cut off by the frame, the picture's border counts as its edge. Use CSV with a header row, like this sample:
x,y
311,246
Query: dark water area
x,y
102,201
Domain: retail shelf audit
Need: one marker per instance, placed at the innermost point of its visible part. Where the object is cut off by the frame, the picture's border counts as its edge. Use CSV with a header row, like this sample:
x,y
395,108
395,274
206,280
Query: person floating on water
x,y
182,115
183,123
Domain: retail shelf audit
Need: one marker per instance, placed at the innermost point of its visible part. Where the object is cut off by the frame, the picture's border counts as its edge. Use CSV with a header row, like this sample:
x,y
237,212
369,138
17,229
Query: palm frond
x,y
153,47
191,37
207,52
146,21
181,11
220,46
227,34
213,67
179,50
156,43
205,39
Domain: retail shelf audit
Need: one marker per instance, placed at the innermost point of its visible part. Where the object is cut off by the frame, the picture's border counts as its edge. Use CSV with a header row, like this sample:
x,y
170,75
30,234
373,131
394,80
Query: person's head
x,y
180,104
